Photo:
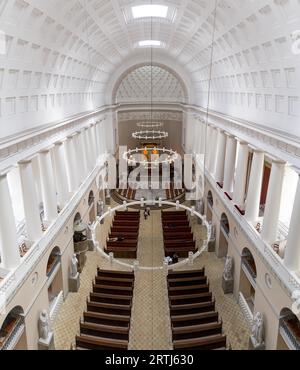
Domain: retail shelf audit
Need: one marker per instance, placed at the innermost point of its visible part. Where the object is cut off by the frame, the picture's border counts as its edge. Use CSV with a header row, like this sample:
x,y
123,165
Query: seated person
x,y
120,238
168,259
175,258
112,240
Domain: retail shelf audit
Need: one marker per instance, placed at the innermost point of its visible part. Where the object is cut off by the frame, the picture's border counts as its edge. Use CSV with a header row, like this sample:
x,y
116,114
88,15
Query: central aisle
x,y
150,326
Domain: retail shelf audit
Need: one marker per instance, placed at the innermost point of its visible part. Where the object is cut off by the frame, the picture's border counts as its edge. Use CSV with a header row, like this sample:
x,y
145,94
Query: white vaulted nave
x,y
149,175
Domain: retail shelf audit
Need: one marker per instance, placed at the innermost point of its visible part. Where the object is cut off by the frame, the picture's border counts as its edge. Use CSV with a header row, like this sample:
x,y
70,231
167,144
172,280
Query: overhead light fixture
x,y
151,10
146,43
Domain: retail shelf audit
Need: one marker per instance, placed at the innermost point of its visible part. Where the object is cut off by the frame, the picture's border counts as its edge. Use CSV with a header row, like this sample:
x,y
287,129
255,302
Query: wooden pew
x,y
187,309
184,243
194,319
177,228
205,343
191,298
166,217
122,229
93,343
199,280
126,223
197,331
104,331
176,222
111,298
117,281
127,235
123,252
106,319
173,213
118,290
182,252
178,236
111,309
127,243
189,289
115,274
127,214
185,274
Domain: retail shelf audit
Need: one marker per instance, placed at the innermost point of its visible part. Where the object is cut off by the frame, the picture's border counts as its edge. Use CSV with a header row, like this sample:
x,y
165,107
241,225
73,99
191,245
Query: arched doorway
x,y
80,241
13,327
210,206
289,331
247,285
224,235
55,282
91,203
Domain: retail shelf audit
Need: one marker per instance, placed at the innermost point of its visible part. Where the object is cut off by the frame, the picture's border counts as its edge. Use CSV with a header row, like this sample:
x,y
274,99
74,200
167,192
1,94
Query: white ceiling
x,y
60,56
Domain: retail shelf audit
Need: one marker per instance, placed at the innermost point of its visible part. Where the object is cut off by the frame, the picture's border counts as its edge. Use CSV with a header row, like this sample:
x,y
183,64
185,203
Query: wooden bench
x,y
111,298
191,298
127,213
123,243
127,235
205,343
198,280
178,236
189,289
185,274
106,319
122,229
123,252
187,309
177,243
94,343
176,223
117,281
182,252
115,274
104,331
126,223
194,319
197,331
118,290
177,228
111,309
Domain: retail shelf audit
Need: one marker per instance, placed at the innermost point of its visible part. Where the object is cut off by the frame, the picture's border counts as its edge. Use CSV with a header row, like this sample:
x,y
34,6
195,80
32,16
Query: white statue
x,y
74,266
257,330
228,269
44,325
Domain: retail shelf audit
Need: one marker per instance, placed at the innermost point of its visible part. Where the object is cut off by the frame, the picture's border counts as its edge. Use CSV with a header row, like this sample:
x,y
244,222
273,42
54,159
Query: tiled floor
x,y
150,327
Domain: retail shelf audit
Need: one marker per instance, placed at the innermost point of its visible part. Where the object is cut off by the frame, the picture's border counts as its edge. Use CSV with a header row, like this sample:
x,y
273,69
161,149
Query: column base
x,y
253,346
227,285
47,344
74,283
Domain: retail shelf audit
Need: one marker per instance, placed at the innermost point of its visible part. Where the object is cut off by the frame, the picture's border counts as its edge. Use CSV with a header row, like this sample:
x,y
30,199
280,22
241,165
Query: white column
x,y
9,249
207,147
241,175
80,164
99,138
61,178
48,186
95,134
83,150
272,209
92,144
88,148
70,164
230,159
255,184
292,250
31,205
212,145
220,161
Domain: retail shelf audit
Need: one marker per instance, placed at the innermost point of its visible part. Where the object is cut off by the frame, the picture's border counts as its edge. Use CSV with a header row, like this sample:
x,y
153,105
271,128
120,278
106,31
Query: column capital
x,y
25,161
278,161
242,142
58,143
44,151
255,149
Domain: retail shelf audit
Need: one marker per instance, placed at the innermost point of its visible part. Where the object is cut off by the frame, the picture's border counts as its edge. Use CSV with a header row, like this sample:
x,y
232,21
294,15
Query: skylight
x,y
149,43
143,11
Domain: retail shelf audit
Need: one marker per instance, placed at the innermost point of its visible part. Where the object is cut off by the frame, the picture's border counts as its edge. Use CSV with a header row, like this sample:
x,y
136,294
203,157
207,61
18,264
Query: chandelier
x,y
150,125
150,157
150,135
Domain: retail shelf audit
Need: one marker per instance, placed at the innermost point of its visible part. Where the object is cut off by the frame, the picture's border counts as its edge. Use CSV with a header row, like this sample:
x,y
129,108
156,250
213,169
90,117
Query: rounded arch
x,y
166,76
53,260
77,219
249,261
210,198
11,321
225,223
91,198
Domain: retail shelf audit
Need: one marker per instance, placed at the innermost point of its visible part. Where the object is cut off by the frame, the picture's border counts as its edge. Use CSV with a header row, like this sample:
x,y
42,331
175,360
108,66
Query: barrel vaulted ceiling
x,y
58,58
